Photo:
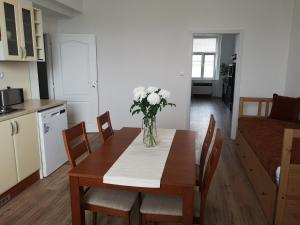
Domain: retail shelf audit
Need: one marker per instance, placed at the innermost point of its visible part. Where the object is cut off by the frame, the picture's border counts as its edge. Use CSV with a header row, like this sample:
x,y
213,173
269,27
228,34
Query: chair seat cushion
x,y
167,205
113,199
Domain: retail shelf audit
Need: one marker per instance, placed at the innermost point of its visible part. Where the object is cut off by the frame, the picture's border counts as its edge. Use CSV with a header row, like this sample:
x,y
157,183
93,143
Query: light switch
x,y
1,75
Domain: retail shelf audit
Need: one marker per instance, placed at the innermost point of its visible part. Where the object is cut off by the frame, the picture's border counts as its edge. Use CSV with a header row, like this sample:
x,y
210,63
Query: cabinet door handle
x,y
12,128
25,52
17,127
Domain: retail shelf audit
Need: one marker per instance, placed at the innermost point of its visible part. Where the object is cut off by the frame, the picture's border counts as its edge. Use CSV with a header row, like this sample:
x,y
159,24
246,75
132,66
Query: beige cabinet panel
x,y
26,142
27,34
21,31
9,28
8,170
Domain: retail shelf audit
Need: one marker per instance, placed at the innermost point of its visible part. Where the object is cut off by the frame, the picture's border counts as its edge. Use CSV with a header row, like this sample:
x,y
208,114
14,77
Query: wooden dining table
x,y
178,178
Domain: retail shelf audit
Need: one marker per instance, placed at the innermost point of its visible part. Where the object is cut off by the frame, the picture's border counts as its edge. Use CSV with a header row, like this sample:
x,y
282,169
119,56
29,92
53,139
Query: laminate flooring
x,y
231,200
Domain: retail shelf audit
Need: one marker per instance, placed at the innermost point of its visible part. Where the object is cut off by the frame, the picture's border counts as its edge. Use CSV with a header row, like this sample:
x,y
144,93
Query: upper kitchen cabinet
x,y
28,42
10,46
20,31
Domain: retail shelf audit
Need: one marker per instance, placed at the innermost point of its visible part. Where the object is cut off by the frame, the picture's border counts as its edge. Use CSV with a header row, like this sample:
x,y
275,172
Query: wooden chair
x,y
76,142
159,208
107,132
205,147
97,200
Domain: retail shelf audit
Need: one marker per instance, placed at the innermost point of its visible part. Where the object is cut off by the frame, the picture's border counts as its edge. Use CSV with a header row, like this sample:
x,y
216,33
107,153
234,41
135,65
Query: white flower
x,y
164,94
153,99
139,95
138,89
151,89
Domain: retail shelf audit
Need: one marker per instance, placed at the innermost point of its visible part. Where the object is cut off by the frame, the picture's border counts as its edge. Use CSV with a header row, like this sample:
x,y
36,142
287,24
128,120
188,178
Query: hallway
x,y
201,109
231,199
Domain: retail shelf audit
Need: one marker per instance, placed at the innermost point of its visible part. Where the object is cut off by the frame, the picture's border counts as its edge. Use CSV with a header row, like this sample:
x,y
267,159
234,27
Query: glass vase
x,y
150,132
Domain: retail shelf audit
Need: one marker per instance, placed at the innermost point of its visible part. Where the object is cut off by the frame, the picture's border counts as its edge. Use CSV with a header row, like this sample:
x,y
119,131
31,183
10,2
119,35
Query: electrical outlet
x,y
1,75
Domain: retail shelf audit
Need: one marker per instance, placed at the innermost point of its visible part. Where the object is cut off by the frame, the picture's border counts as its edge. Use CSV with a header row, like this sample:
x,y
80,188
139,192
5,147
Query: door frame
x,y
235,108
48,60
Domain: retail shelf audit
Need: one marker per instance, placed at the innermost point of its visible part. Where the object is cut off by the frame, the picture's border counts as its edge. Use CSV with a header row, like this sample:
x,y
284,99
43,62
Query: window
x,y
204,57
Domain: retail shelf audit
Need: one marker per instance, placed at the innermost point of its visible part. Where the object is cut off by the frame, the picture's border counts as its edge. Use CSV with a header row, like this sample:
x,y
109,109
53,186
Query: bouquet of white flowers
x,y
149,101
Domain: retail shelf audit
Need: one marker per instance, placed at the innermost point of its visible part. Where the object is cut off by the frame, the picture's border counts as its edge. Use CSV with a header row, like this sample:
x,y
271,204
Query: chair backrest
x,y
210,169
104,132
76,142
205,147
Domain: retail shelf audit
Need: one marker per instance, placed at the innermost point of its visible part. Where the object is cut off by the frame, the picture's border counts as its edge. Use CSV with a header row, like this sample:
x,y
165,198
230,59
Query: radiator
x,y
202,88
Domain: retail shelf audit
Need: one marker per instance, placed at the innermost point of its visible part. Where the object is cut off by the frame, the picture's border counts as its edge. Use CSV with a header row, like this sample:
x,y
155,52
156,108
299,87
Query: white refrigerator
x,y
51,123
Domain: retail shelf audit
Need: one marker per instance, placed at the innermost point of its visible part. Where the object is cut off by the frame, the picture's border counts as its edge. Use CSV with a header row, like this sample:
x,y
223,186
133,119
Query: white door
x,y
74,64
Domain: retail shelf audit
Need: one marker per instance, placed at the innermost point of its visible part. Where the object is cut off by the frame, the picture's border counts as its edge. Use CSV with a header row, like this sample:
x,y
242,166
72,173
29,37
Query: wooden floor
x,y
231,198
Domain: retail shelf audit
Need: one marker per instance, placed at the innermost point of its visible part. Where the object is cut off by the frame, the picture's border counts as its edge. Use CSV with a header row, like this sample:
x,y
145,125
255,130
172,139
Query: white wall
x,y
236,43
74,4
227,48
49,24
16,75
149,43
59,8
293,71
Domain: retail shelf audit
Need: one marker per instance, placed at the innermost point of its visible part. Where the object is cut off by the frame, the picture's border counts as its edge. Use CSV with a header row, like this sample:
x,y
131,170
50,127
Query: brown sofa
x,y
263,145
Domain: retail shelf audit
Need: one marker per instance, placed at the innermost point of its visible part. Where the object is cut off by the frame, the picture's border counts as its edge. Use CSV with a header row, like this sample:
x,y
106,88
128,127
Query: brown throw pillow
x,y
285,108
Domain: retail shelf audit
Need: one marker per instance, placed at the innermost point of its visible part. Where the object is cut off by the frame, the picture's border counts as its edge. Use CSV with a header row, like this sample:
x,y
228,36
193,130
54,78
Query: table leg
x,y
188,206
78,216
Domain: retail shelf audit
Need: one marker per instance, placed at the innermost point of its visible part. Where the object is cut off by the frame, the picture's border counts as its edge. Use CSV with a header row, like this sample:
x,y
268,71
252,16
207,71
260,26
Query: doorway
x,y
75,78
70,74
215,67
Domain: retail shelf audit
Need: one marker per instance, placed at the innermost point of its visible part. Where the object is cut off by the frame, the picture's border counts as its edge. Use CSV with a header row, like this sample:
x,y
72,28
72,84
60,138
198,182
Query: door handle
x,y
12,128
46,128
94,84
17,127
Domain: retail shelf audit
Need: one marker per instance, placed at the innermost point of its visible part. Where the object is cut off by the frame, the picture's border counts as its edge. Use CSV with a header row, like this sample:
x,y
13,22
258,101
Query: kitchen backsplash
x,y
16,75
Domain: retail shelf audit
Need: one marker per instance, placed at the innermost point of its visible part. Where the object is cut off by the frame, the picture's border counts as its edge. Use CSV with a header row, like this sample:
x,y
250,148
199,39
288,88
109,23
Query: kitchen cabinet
x,y
19,24
26,143
8,167
10,48
28,42
19,153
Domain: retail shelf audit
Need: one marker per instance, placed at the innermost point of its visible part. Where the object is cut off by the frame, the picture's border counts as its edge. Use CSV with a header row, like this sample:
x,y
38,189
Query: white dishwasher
x,y
51,123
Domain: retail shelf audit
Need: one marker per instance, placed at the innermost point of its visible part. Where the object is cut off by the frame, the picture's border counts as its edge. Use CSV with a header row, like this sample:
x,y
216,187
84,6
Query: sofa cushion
x,y
265,137
285,108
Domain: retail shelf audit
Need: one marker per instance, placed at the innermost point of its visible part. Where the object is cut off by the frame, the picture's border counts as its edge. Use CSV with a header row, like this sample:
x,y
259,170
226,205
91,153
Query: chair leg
x,y
144,222
127,220
94,218
139,207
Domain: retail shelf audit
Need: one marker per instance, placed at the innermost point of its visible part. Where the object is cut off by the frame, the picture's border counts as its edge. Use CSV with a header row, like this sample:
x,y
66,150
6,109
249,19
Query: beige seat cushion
x,y
167,205
113,199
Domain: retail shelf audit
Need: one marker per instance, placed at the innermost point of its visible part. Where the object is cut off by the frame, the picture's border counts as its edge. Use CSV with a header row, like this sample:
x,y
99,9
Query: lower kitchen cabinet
x,y
19,153
26,143
8,168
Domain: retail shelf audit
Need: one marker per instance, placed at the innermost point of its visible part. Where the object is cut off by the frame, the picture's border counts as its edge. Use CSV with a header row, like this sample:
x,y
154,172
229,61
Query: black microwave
x,y
11,96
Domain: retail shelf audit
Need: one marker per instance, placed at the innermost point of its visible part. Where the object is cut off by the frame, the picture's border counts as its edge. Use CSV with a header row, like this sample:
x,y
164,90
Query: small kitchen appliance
x,y
10,97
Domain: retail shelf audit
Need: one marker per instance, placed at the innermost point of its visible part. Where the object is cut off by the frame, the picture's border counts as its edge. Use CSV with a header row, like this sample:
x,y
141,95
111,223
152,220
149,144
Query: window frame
x,y
203,54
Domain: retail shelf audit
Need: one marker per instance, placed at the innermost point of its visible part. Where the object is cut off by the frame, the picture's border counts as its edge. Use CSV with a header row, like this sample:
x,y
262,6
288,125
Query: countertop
x,y
31,106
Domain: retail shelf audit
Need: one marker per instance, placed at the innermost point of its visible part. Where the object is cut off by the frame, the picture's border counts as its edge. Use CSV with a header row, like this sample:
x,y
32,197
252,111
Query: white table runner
x,y
139,166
